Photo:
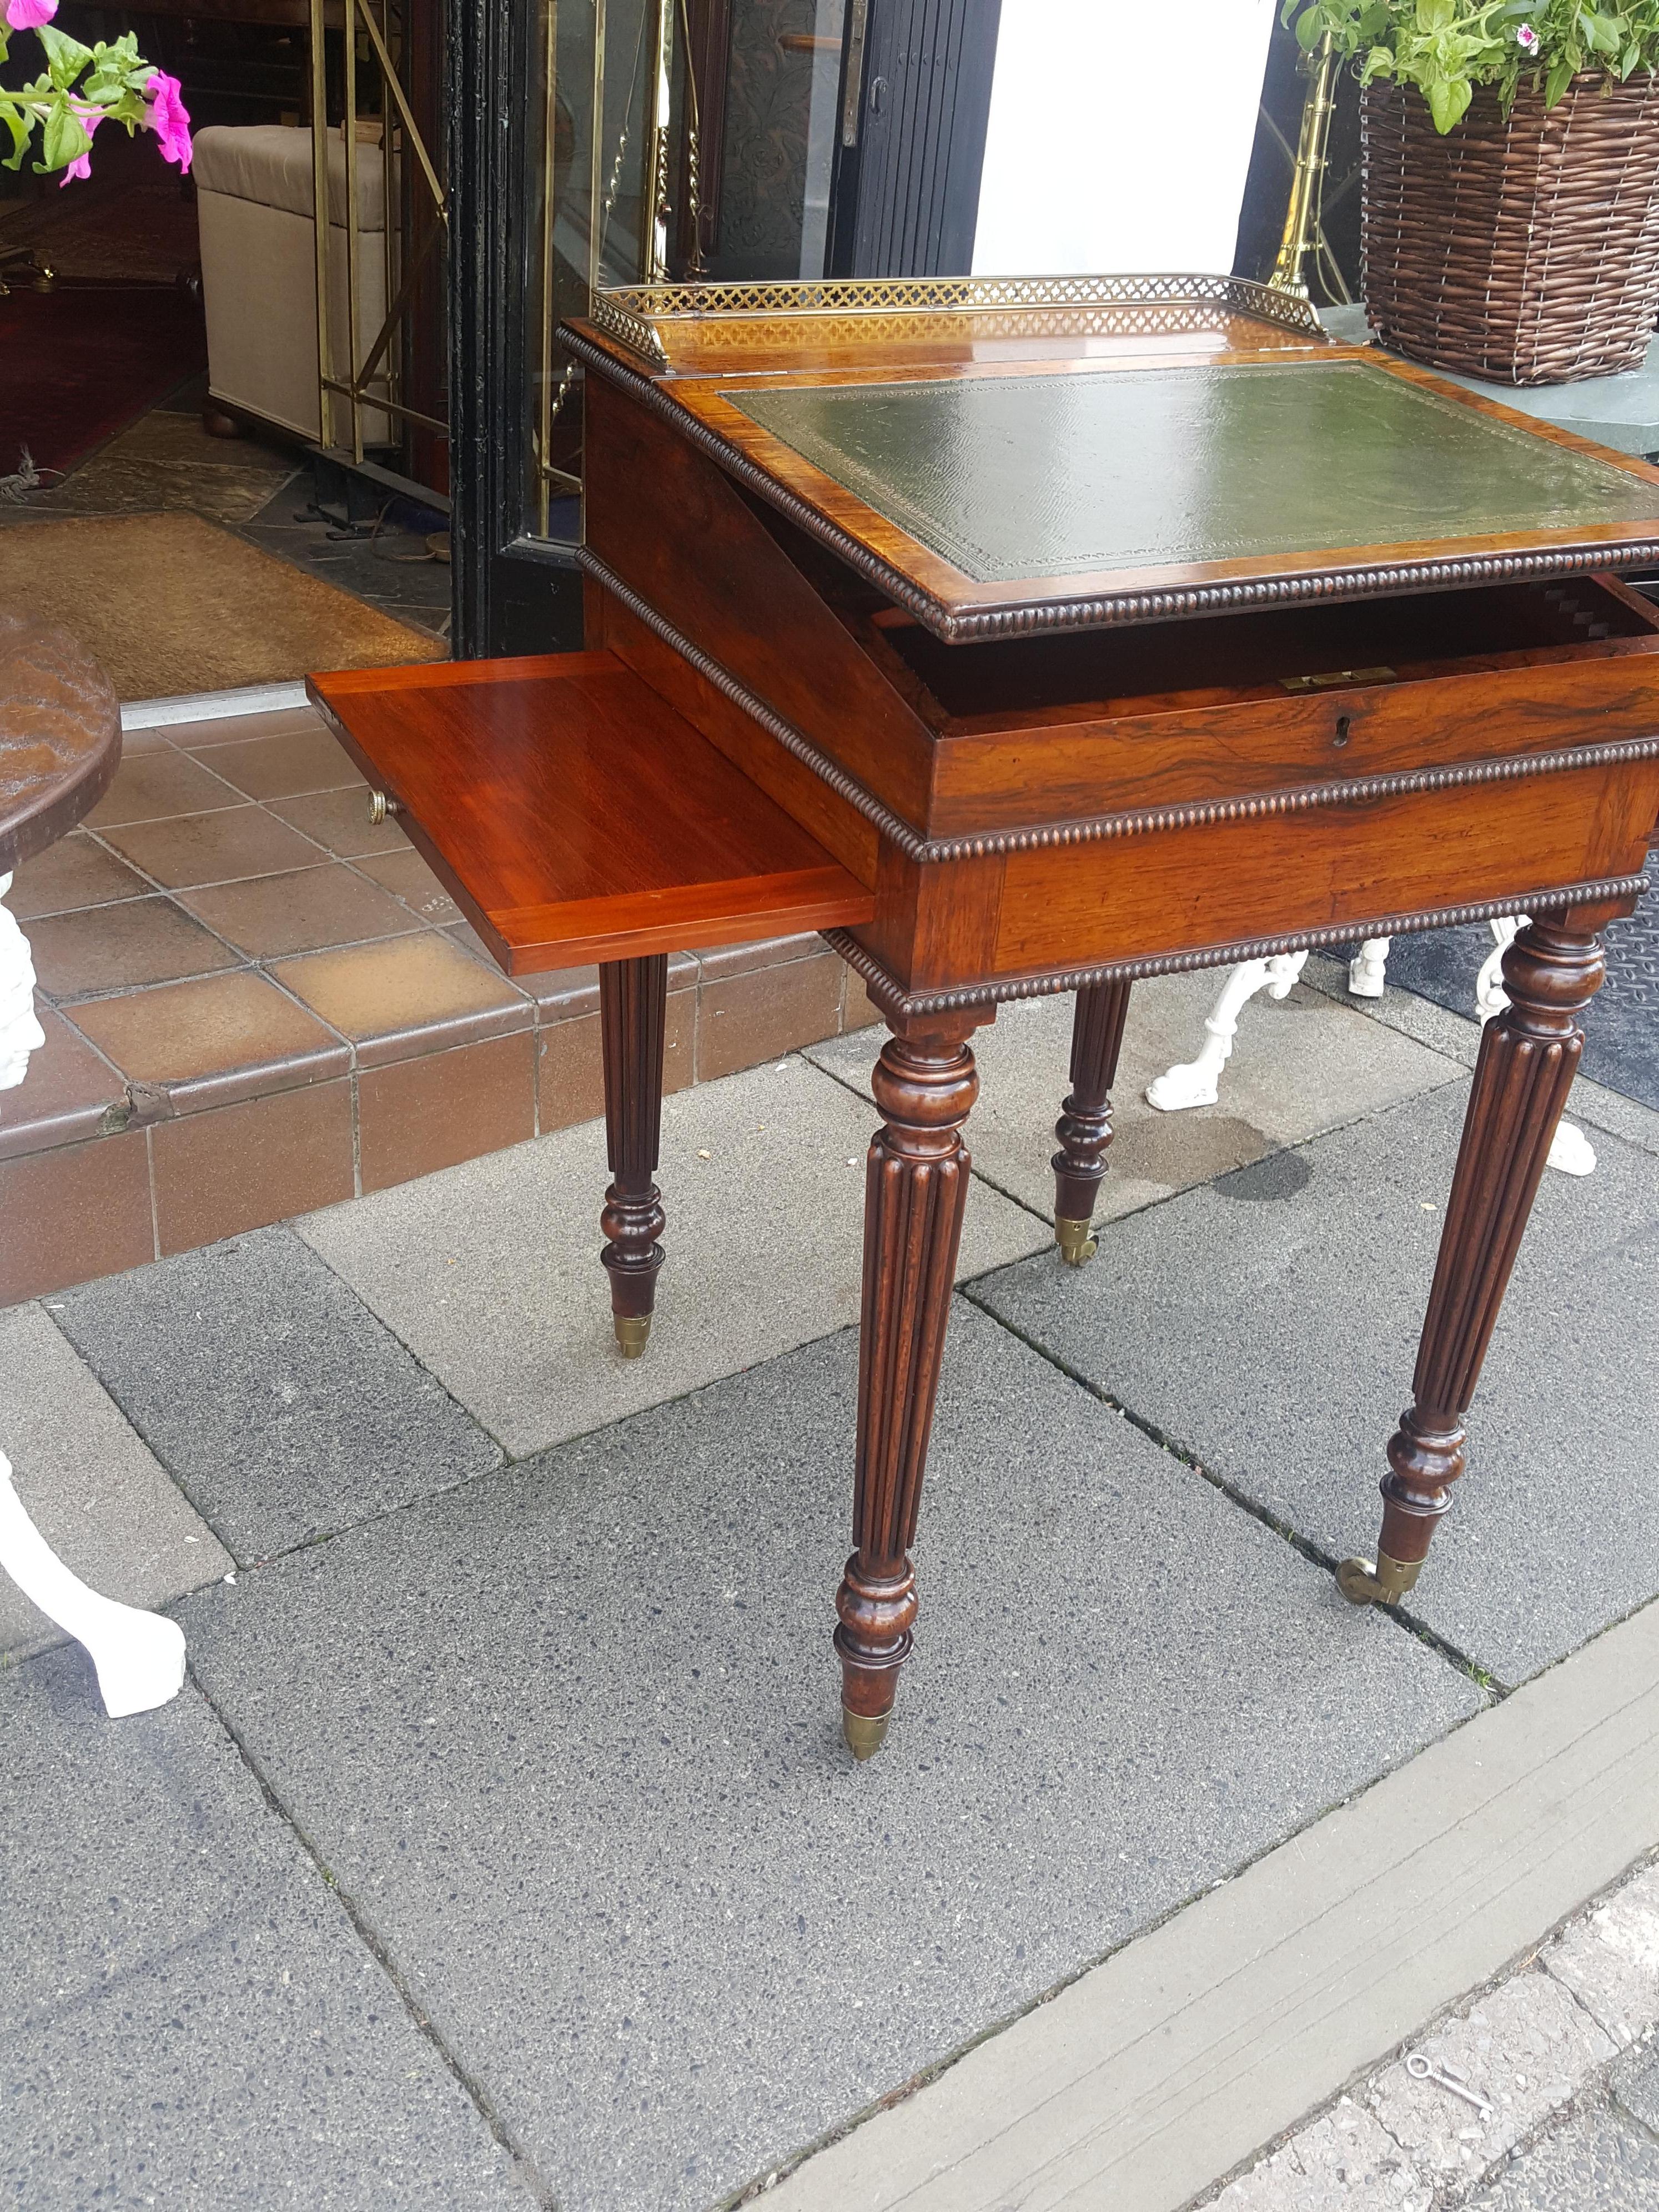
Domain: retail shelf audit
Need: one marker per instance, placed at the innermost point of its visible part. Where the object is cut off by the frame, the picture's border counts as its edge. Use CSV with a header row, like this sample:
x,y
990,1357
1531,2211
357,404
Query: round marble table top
x,y
60,736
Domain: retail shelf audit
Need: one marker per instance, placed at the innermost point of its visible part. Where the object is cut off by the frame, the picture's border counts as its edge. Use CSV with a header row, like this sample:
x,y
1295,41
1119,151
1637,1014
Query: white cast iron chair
x,y
139,1656
1197,1082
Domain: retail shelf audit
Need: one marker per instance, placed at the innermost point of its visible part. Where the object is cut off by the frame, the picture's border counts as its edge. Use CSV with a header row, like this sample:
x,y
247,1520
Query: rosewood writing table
x,y
1093,630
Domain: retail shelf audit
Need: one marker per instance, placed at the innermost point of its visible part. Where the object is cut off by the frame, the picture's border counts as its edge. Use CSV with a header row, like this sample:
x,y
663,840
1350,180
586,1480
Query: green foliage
x,y
80,88
1447,47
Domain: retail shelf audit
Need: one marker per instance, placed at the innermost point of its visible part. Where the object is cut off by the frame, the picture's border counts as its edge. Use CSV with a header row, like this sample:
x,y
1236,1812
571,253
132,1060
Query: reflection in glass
x,y
672,138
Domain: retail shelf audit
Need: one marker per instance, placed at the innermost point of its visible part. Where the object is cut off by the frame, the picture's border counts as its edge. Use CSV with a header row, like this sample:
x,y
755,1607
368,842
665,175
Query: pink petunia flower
x,y
81,166
167,119
29,14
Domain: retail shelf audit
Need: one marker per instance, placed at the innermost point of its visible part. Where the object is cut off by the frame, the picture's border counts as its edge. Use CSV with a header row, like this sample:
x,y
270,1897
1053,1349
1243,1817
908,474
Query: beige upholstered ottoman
x,y
260,273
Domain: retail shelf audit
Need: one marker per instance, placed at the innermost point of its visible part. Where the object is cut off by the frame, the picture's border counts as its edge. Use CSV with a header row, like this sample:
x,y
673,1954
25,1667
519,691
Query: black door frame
x,y
934,61
512,593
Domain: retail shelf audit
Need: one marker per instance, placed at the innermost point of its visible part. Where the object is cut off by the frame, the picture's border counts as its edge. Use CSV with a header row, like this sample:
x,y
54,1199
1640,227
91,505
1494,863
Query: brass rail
x,y
1304,231
369,382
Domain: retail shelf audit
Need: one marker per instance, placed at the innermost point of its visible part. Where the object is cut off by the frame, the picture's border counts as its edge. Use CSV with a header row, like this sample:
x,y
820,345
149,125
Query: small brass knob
x,y
380,804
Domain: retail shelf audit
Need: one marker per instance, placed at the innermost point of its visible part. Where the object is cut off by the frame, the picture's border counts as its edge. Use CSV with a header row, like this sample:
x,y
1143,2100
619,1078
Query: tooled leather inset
x,y
1012,478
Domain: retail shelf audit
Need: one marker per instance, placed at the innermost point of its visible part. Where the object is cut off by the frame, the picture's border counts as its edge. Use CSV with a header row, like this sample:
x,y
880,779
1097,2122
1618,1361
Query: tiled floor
x,y
257,1003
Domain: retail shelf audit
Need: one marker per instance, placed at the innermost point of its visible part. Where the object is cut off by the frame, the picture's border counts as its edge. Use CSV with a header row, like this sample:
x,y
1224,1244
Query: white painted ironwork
x,y
1198,1082
139,1656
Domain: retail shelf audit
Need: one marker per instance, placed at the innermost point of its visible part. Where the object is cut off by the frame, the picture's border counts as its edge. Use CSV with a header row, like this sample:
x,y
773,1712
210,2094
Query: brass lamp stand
x,y
1304,231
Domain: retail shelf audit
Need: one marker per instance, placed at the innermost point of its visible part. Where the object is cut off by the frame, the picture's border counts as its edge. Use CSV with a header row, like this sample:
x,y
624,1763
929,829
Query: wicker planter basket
x,y
1524,249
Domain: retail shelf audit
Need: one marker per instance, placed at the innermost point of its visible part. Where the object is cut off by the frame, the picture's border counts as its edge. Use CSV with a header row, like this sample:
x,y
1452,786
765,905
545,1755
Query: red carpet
x,y
80,361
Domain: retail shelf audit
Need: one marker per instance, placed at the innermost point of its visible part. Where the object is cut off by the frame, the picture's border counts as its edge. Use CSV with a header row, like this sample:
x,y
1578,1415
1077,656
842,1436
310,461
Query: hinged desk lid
x,y
1220,459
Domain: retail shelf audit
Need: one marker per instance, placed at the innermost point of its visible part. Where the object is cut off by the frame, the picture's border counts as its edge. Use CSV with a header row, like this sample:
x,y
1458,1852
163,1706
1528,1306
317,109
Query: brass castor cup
x,y
864,1733
1077,1246
1384,1582
632,1330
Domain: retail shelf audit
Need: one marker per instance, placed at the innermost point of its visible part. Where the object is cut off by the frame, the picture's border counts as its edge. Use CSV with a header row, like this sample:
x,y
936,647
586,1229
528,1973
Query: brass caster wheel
x,y
864,1734
1384,1582
632,1330
1077,1246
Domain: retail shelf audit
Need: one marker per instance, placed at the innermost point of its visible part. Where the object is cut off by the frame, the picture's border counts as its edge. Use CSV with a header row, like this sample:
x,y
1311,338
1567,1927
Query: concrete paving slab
x,y
1635,2085
1528,2048
1185,2052
280,1403
1298,1068
489,1272
569,1740
90,1485
1595,2163
187,2017
1343,2163
1610,1961
1269,1324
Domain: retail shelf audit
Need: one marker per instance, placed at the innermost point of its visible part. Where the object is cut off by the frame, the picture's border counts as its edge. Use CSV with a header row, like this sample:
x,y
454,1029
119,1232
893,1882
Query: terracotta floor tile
x,y
570,1064
239,729
77,870
744,959
563,994
570,1071
744,1019
208,1043
214,848
149,787
242,1167
406,995
464,934
446,1106
303,911
283,766
68,1095
117,948
81,1211
340,819
858,1009
407,876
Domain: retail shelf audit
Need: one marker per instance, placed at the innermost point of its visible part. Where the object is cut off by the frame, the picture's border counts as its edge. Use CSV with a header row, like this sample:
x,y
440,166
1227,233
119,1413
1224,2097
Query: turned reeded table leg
x,y
1529,1056
915,1190
1084,1126
632,1005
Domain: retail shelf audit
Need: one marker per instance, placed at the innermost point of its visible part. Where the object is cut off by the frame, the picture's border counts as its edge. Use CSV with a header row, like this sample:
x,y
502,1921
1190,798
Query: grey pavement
x,y
512,1739
99,1497
284,1409
1121,1689
1299,1066
188,2017
487,1271
1525,2106
1597,2159
1205,1317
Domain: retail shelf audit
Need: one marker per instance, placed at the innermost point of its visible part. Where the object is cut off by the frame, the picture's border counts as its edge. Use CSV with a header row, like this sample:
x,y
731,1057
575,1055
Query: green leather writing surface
x,y
1021,476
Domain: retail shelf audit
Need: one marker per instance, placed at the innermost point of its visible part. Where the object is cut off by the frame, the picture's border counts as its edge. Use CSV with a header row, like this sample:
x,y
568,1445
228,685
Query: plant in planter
x,y
81,88
1511,198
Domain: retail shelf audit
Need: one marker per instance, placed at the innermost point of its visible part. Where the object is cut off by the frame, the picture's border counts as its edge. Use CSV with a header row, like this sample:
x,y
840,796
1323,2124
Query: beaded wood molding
x,y
1192,814
1114,610
893,999
635,315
